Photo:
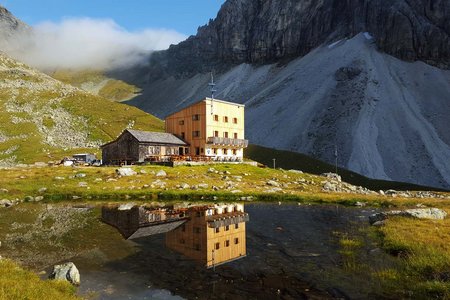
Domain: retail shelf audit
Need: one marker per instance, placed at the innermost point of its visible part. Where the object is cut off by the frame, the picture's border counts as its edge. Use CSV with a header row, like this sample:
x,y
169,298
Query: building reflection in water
x,y
210,234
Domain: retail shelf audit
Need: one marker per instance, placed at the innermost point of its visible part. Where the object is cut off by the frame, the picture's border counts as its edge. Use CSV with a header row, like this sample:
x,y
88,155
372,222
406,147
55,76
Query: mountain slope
x,y
43,119
311,82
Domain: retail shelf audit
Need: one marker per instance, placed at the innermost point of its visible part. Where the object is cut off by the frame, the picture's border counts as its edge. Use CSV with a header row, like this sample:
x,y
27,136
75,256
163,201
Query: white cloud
x,y
89,43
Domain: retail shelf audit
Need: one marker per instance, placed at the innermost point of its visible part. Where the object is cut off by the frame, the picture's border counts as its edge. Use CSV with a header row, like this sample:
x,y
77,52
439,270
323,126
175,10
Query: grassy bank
x,y
226,182
423,248
17,283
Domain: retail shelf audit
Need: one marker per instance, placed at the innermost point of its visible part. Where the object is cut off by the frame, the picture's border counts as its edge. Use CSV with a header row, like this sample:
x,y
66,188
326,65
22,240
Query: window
x,y
217,246
236,241
235,120
196,133
216,133
225,134
235,135
181,122
197,230
217,230
234,151
215,150
195,117
224,151
183,135
236,226
225,119
227,243
199,214
216,118
202,150
197,247
227,228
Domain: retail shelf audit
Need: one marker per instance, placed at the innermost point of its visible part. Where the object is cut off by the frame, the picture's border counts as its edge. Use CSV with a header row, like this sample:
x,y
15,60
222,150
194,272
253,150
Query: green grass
x,y
293,160
109,88
18,283
104,120
422,248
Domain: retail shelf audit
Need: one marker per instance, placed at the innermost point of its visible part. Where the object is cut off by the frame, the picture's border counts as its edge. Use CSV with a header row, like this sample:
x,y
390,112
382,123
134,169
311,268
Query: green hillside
x,y
95,82
298,161
42,119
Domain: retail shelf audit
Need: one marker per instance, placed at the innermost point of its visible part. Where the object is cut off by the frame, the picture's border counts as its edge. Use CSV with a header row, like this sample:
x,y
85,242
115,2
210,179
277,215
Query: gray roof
x,y
156,137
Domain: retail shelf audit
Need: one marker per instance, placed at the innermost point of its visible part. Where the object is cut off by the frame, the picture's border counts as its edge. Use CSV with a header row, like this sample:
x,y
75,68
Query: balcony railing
x,y
221,141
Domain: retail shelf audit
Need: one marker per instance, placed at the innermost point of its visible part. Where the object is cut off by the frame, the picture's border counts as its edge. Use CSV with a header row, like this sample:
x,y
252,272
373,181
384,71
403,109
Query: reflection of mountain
x,y
210,234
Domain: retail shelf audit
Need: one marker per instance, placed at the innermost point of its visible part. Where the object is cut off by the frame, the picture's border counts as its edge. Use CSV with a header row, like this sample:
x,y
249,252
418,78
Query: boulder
x,y
185,186
38,198
161,173
418,213
68,163
125,172
6,203
126,206
67,271
332,176
272,183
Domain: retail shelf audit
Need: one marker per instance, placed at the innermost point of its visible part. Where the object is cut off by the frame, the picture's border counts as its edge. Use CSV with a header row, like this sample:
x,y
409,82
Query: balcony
x,y
221,141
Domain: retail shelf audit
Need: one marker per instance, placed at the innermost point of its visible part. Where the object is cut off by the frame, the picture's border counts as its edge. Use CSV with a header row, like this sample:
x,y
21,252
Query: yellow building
x,y
213,235
213,128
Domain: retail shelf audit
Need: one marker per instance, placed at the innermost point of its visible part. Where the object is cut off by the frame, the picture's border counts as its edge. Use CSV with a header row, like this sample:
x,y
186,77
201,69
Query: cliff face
x,y
10,27
319,74
264,31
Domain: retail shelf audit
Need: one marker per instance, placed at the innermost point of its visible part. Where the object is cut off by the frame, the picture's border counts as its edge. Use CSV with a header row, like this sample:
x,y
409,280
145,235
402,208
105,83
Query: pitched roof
x,y
156,137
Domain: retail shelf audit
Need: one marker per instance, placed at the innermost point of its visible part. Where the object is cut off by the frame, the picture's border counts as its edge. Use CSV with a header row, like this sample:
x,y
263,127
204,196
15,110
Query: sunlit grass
x,y
18,283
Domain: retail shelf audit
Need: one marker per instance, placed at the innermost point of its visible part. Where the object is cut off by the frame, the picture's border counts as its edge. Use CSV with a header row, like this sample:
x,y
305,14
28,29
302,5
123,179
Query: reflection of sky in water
x,y
114,285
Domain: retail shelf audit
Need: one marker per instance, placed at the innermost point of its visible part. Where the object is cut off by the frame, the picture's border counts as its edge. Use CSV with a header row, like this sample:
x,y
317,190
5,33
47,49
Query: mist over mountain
x,y
80,43
367,77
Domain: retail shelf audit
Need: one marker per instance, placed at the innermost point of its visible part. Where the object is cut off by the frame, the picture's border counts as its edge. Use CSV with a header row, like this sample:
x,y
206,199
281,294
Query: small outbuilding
x,y
135,146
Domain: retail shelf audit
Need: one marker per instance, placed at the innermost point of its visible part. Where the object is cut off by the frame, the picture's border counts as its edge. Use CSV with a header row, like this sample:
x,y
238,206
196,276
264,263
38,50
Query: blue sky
x,y
183,16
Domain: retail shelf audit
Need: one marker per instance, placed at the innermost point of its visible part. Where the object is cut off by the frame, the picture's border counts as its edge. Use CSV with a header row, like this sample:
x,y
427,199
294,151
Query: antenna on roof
x,y
213,90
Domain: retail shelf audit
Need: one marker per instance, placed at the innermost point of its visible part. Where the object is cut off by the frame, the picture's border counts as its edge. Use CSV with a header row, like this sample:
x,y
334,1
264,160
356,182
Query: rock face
x,y
67,271
257,31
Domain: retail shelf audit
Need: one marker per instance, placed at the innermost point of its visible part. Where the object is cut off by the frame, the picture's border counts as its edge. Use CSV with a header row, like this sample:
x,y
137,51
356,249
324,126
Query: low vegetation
x,y
17,283
209,182
423,247
44,120
95,82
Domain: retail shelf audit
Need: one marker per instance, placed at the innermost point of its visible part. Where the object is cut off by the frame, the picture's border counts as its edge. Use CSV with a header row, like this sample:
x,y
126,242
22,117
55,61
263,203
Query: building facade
x,y
134,146
214,235
212,128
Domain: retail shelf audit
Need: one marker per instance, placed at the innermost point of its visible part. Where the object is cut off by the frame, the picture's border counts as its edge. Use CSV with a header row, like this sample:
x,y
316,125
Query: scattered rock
x,y
68,163
185,186
59,178
38,198
272,183
236,191
360,204
82,184
67,271
42,190
296,171
126,206
28,199
203,186
4,191
125,172
143,172
332,176
419,213
6,203
80,175
161,173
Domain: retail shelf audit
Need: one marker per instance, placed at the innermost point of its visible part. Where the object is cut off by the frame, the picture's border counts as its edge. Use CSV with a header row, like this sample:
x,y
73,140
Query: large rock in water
x,y
67,271
419,213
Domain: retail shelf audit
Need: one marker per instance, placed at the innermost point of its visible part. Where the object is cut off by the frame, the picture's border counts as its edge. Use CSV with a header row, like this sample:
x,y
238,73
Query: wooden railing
x,y
222,141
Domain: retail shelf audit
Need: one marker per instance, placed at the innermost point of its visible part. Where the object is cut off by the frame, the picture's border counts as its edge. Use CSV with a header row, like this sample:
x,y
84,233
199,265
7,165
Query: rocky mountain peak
x,y
257,31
